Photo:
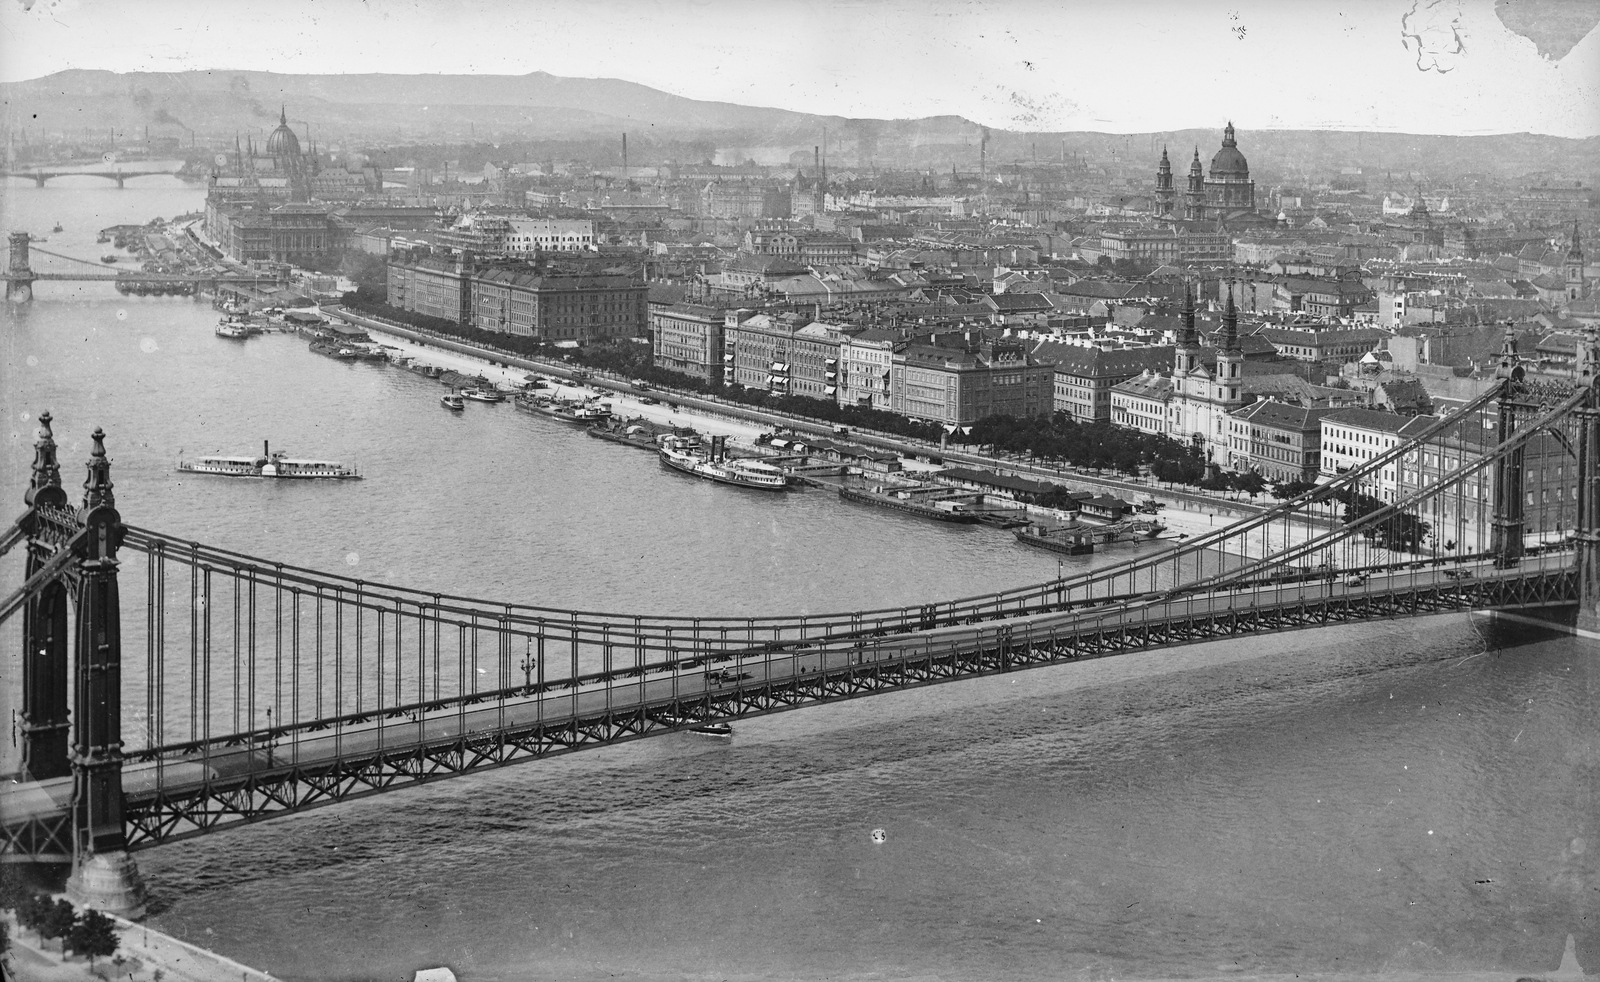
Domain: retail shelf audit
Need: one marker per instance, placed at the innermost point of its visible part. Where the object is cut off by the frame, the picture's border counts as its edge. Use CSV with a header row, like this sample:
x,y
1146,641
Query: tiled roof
x,y
1266,412
1373,419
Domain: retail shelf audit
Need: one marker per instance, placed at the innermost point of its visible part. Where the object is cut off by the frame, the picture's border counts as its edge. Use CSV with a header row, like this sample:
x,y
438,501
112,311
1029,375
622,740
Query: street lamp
x,y
529,663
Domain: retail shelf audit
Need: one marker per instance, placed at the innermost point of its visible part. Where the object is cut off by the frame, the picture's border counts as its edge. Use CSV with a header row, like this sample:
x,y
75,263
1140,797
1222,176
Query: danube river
x,y
1416,796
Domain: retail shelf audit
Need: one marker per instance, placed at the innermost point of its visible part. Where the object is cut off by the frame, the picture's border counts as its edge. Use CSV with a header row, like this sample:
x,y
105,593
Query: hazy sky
x,y
1427,66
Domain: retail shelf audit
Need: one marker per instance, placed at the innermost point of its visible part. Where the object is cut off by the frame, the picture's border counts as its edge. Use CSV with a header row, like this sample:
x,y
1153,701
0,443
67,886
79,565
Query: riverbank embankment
x,y
1186,512
145,953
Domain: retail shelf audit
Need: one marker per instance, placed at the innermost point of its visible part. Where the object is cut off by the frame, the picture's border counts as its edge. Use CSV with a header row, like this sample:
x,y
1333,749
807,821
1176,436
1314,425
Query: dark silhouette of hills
x,y
397,109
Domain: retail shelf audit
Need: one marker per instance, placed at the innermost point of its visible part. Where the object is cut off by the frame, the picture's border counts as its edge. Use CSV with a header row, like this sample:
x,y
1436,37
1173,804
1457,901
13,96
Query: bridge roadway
x,y
563,716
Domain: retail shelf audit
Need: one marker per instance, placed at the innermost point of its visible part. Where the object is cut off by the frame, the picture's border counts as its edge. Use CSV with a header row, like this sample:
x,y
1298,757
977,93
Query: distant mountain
x,y
398,109
219,102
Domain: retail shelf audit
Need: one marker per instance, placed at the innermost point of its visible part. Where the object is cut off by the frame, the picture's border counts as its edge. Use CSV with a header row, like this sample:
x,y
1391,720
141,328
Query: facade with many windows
x,y
1278,441
512,298
785,355
435,287
866,368
515,300
1353,437
531,236
1085,376
688,338
958,379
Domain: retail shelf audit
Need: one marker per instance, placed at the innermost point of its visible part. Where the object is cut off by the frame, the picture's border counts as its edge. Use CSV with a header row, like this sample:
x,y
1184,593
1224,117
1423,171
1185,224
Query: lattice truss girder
x,y
179,814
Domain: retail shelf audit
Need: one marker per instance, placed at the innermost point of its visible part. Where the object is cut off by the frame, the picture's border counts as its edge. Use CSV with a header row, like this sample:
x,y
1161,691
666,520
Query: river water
x,y
1415,796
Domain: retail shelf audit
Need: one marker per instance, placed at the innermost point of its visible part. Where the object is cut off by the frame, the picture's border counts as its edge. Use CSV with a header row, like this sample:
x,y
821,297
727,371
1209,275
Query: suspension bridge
x,y
237,688
19,274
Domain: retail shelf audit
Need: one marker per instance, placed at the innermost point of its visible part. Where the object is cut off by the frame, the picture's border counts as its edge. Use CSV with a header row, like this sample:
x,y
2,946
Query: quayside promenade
x,y
1186,512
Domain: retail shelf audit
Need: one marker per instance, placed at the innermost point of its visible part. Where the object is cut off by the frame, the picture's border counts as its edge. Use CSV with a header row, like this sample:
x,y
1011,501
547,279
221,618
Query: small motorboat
x,y
108,260
453,401
712,729
57,227
478,394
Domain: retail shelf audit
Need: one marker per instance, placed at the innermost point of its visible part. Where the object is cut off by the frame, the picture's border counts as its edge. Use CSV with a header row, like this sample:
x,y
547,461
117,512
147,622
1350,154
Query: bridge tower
x,y
1589,485
19,274
103,874
1506,528
45,682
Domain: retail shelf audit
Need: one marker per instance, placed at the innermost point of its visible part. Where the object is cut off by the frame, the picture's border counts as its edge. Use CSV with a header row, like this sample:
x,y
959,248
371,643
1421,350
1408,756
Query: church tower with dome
x,y
1226,192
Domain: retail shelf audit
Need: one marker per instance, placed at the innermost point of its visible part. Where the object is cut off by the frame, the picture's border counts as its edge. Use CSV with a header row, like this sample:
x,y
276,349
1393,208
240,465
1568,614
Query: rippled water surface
x,y
1395,797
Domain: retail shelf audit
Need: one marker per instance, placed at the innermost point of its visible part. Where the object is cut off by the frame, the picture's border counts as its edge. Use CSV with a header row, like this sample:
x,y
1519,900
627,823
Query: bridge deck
x,y
252,776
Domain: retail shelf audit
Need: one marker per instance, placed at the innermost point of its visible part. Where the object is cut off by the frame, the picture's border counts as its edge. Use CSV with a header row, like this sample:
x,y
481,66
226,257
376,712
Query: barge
x,y
953,514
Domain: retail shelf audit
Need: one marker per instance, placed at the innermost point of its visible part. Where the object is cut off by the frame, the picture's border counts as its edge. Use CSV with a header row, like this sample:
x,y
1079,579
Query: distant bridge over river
x,y
39,175
19,275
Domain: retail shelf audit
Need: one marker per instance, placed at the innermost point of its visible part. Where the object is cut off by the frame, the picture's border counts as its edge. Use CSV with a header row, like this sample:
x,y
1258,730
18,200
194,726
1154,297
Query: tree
x,y
94,934
58,920
32,912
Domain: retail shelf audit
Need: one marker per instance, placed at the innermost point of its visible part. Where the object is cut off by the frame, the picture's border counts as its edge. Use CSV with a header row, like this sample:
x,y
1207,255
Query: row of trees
x,y
90,934
1059,438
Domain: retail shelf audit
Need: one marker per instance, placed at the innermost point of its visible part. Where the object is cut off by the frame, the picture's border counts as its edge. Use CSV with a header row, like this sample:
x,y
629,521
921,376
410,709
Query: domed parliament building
x,y
276,203
1225,193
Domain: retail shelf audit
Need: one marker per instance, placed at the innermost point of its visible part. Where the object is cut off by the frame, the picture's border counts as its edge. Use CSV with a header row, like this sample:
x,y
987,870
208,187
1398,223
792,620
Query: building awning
x,y
727,358
829,389
779,366
832,361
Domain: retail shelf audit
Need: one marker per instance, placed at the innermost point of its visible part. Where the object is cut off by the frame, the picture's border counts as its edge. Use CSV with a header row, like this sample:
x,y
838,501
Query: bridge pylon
x,y
1507,525
19,274
1588,532
45,638
103,874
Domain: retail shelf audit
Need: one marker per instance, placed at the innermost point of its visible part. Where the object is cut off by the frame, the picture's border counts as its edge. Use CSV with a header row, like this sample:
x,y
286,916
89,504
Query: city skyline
x,y
1438,68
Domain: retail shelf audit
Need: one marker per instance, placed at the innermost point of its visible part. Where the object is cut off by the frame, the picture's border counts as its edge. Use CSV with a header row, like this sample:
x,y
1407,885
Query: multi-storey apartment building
x,y
866,368
514,298
785,355
688,338
961,378
517,300
530,236
1278,441
1085,376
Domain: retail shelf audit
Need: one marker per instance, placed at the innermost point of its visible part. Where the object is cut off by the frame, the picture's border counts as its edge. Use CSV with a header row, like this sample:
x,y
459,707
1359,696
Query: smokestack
x,y
816,161
624,158
824,159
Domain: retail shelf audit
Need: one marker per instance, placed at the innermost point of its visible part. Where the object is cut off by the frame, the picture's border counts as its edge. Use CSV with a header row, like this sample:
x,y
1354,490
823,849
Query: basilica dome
x,y
1229,164
283,142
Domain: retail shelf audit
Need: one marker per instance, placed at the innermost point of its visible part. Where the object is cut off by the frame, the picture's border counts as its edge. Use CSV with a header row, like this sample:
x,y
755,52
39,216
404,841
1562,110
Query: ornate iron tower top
x,y
97,486
1510,367
45,487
